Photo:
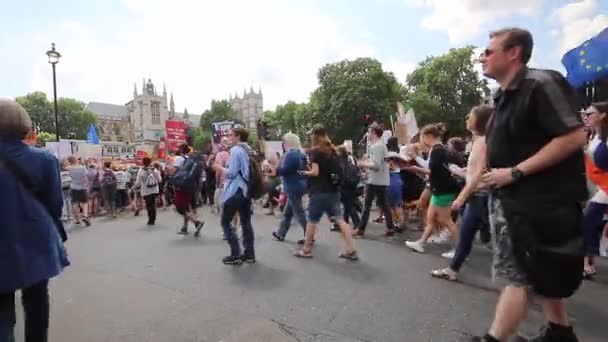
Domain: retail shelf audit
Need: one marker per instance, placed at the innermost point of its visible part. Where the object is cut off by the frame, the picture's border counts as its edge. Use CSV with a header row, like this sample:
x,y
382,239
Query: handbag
x,y
18,173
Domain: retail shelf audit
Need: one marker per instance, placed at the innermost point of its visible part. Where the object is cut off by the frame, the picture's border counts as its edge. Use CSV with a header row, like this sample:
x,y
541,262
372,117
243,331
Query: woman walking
x,y
31,233
474,194
324,194
148,179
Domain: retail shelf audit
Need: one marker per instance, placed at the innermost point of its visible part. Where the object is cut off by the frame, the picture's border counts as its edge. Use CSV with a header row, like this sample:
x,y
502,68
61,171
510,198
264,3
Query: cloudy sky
x,y
205,49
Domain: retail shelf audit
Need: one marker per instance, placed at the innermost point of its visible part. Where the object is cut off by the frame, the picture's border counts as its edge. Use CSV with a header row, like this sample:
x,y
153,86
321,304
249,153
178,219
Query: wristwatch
x,y
516,174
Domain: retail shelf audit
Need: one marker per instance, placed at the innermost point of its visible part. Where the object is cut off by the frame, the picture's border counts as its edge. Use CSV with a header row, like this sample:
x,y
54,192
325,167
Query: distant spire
x,y
244,92
260,90
186,115
230,96
164,90
143,85
251,90
134,89
172,105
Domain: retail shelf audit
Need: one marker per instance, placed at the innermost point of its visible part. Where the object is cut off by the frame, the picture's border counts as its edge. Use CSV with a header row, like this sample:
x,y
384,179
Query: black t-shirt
x,y
441,179
537,107
322,183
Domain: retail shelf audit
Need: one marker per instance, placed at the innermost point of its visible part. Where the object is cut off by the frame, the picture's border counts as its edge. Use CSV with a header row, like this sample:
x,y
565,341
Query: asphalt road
x,y
130,282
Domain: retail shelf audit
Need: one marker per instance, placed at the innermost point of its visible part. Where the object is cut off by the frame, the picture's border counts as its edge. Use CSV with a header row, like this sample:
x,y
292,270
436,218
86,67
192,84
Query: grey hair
x,y
14,120
292,141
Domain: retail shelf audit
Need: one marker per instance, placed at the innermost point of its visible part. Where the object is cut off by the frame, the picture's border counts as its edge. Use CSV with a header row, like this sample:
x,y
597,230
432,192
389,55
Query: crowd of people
x,y
498,183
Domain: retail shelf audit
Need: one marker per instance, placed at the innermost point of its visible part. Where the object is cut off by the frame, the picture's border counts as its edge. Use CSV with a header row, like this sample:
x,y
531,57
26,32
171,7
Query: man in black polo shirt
x,y
536,169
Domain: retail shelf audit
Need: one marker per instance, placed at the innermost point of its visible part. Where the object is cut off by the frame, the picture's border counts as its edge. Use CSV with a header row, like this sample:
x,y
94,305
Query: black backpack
x,y
351,176
336,174
256,185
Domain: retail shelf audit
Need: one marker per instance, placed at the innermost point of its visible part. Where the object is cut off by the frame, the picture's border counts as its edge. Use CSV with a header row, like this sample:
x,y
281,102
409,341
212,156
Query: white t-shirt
x,y
179,161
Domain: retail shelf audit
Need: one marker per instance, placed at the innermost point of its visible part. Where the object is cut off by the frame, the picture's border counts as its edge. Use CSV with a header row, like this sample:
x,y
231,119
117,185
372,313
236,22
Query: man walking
x,y
534,146
377,182
235,198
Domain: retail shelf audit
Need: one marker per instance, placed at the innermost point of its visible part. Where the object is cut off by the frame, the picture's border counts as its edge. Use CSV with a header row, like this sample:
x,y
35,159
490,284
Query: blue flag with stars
x,y
92,137
589,61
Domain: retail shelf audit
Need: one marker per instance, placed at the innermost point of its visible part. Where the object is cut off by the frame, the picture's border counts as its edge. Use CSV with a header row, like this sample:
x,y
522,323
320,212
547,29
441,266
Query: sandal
x,y
301,253
589,274
350,255
443,274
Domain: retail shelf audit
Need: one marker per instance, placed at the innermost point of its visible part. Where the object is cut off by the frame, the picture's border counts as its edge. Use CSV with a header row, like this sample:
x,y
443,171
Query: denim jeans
x,y
35,301
293,208
475,218
238,203
379,193
593,224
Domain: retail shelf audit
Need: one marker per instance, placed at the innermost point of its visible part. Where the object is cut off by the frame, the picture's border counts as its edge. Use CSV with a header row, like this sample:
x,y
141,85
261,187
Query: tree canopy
x,y
72,115
444,88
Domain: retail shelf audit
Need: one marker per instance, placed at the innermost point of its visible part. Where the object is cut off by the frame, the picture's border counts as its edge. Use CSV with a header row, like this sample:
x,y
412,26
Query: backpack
x,y
336,174
188,176
108,179
352,176
151,181
256,185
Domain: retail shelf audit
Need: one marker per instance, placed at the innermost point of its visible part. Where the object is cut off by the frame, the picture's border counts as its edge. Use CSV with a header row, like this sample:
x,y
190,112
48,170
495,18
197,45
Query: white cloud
x,y
578,22
202,49
401,69
464,20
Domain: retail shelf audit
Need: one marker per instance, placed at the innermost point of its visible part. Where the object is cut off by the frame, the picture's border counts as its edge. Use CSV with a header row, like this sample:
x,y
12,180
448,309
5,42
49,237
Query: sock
x,y
490,338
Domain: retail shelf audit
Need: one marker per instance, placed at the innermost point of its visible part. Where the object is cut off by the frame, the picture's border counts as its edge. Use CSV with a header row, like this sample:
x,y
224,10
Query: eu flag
x,y
589,61
92,137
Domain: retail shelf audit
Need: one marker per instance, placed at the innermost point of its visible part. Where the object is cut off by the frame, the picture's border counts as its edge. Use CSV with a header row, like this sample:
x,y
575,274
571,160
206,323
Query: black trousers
x,y
377,192
349,201
35,301
151,207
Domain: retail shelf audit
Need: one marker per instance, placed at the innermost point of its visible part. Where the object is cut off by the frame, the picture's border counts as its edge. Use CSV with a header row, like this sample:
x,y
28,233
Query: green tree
x,y
290,117
444,89
39,108
71,113
74,118
350,89
44,137
220,111
200,138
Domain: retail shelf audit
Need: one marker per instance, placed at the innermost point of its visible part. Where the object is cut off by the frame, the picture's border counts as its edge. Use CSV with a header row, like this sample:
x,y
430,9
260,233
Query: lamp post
x,y
54,56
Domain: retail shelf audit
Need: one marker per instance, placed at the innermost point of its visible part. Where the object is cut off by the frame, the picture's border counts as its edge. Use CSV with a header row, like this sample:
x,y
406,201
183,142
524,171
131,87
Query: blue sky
x,y
211,49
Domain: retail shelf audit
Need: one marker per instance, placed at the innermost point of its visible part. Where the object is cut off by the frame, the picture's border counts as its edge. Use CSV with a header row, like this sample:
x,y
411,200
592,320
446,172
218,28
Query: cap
x,y
317,129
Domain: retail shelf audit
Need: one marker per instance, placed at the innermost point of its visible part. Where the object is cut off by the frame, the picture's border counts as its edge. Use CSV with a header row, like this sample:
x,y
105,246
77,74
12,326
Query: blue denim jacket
x,y
237,172
292,162
30,246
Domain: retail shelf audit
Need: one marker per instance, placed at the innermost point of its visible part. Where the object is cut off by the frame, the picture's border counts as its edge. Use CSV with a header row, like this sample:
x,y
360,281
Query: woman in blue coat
x,y
31,247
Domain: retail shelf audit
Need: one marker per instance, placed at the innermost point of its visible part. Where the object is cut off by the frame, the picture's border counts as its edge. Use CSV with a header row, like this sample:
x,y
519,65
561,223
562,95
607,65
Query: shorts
x,y
442,201
78,196
324,203
183,201
541,249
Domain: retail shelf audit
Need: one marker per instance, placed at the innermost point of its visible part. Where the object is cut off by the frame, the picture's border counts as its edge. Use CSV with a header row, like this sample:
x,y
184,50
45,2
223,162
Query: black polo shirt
x,y
538,105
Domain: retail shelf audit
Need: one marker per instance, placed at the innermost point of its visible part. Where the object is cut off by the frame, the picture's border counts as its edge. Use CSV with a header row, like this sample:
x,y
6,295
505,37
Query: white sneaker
x,y
415,246
433,238
448,255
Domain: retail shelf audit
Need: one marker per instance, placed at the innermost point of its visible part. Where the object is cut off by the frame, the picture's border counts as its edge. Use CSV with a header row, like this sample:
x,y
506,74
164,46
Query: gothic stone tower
x,y
249,108
148,112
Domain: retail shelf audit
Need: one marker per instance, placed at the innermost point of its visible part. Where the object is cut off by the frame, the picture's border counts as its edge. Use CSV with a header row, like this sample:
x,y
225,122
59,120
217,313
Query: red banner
x,y
139,157
176,134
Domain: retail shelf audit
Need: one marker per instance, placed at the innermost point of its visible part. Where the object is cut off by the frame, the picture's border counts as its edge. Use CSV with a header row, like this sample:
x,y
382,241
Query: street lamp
x,y
54,56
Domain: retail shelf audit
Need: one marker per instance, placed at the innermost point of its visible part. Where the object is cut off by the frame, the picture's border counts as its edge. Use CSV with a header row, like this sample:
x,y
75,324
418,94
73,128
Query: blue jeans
x,y
35,301
475,218
238,203
293,208
593,224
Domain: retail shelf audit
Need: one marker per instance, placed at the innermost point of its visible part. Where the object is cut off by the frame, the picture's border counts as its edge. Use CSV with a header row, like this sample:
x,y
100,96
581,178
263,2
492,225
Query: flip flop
x,y
442,274
303,254
350,256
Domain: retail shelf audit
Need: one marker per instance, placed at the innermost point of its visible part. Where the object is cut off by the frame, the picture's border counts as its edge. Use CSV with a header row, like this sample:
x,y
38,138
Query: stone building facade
x,y
249,107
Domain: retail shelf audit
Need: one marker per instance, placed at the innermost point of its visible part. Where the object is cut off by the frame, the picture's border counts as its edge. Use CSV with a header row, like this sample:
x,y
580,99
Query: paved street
x,y
129,282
